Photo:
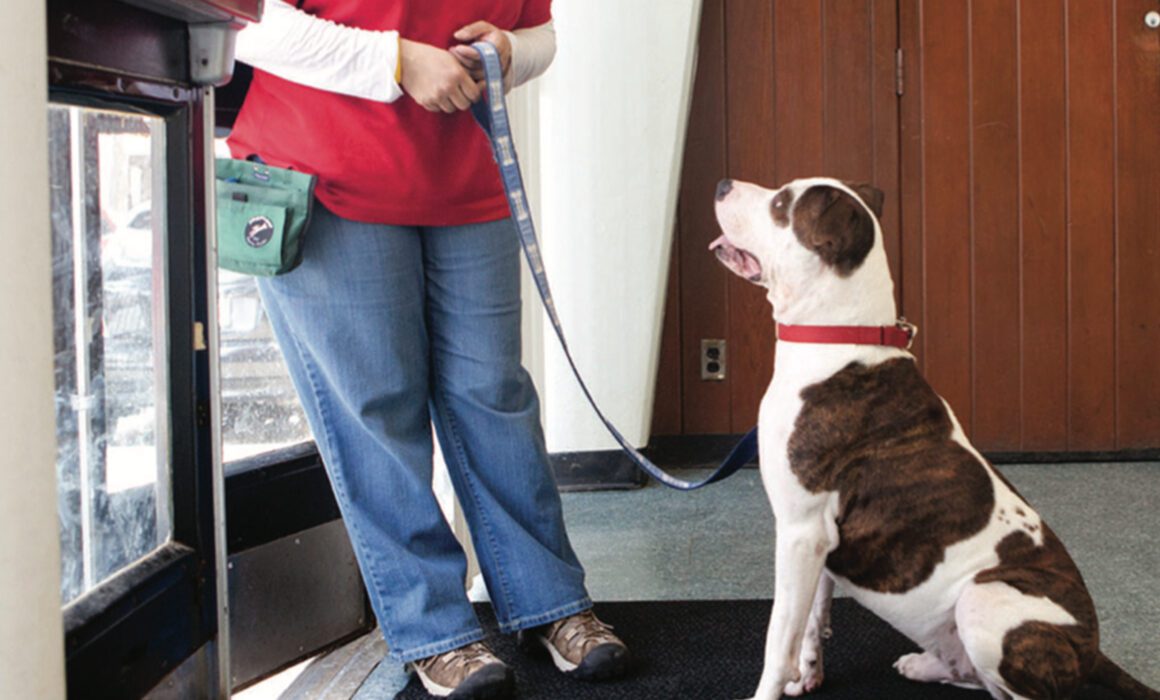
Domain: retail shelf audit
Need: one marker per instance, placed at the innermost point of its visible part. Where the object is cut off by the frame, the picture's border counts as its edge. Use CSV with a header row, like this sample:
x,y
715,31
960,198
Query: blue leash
x,y
493,119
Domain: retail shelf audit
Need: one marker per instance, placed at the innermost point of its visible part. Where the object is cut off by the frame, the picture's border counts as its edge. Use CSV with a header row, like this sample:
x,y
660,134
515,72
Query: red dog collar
x,y
900,335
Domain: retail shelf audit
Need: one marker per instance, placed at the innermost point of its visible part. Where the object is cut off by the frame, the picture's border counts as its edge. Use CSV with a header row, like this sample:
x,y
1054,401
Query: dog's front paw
x,y
810,682
809,672
800,688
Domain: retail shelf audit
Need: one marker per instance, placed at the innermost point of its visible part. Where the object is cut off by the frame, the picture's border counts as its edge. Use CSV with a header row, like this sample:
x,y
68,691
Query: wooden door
x,y
784,89
1030,236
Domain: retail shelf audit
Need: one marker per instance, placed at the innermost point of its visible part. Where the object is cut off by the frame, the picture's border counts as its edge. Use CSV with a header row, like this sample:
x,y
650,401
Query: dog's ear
x,y
837,228
871,195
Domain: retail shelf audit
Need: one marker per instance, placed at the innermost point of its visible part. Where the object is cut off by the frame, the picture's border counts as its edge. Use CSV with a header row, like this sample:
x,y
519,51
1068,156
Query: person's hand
x,y
481,31
435,78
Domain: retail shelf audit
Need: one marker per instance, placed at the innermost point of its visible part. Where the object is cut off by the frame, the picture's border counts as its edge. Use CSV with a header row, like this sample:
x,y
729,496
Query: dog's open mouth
x,y
740,261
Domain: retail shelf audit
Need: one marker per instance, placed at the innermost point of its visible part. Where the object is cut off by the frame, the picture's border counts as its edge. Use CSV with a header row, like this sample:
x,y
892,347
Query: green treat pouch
x,y
261,214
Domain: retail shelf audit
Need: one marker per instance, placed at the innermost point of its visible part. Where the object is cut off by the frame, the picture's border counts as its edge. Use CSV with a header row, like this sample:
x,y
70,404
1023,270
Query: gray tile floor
x,y
717,543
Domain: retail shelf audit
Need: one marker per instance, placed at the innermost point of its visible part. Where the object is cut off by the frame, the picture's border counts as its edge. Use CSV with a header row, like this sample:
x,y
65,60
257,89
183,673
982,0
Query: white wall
x,y
31,640
613,113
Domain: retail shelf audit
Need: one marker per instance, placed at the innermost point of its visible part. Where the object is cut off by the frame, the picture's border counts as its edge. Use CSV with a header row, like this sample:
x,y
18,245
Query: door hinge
x,y
898,90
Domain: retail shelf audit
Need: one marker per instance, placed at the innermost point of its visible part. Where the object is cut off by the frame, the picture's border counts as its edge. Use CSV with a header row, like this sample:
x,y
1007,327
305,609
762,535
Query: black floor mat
x,y
712,650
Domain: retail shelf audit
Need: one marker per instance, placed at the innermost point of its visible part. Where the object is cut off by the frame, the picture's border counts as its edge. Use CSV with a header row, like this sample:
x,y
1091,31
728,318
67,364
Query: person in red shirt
x,y
405,311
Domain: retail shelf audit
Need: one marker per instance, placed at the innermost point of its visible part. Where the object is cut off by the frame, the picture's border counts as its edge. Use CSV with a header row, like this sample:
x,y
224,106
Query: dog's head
x,y
805,235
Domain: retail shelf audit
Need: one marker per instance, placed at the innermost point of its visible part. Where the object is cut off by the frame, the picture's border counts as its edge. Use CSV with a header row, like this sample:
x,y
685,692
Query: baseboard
x,y
1148,455
691,451
612,469
597,470
601,470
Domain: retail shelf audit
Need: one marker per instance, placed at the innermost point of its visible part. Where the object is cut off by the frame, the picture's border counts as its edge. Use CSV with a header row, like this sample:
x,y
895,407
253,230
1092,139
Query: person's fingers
x,y
464,53
469,59
497,39
473,30
459,99
500,41
470,90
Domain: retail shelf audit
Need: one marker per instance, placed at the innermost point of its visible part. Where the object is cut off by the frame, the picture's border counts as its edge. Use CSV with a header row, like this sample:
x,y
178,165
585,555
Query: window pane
x,y
108,229
260,411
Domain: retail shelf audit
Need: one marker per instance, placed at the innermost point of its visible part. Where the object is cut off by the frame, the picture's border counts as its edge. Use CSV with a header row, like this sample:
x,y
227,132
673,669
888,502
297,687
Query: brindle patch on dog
x,y
834,225
1042,660
1045,570
871,195
881,437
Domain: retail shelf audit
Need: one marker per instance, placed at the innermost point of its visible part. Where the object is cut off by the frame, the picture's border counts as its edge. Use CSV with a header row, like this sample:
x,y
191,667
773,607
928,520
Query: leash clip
x,y
908,328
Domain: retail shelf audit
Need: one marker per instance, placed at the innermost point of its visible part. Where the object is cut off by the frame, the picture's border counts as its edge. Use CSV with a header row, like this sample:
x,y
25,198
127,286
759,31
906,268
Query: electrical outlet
x,y
712,360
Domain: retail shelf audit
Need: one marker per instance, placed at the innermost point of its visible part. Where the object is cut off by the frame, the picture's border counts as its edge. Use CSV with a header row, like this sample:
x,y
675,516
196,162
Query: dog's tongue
x,y
737,260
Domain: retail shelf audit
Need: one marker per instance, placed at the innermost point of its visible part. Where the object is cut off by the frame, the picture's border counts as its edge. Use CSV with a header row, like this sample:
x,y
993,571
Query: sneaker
x,y
471,672
582,646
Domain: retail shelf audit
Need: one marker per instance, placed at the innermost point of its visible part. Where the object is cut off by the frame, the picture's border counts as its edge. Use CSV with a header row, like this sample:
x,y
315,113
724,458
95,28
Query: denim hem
x,y
529,621
435,647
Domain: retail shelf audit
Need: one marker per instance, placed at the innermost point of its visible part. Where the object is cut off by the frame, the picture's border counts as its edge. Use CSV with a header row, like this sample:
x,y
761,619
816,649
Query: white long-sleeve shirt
x,y
300,47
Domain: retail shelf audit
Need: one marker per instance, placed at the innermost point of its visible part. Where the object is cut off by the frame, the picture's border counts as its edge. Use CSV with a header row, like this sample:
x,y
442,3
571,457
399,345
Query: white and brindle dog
x,y
875,486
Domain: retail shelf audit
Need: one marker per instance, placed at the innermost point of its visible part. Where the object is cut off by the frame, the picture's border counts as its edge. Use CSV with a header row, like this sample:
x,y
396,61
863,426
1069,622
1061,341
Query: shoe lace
x,y
584,631
460,662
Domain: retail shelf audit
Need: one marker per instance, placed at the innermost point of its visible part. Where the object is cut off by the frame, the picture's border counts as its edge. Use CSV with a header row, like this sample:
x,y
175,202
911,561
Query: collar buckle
x,y
908,328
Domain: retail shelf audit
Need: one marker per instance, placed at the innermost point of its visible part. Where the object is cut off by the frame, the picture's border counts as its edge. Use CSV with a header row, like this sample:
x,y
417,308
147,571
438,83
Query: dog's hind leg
x,y
817,629
930,667
944,660
1021,646
924,667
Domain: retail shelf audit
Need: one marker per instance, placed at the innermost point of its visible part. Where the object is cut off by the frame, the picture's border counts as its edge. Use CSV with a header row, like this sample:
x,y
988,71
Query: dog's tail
x,y
1107,674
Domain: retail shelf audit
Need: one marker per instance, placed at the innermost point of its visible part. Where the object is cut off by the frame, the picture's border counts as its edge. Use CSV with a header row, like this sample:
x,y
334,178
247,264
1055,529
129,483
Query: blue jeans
x,y
386,330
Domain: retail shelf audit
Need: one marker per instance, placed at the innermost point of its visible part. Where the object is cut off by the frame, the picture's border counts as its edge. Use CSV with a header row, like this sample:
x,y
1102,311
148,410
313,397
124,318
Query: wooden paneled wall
x,y
1031,235
1022,171
786,89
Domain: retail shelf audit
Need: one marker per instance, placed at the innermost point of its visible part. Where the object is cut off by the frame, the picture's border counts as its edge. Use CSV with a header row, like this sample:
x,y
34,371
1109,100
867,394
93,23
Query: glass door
x,y
134,450
130,135
141,502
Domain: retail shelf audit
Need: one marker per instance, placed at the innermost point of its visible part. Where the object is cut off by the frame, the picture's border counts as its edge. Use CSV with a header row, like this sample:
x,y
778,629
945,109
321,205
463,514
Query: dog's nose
x,y
723,188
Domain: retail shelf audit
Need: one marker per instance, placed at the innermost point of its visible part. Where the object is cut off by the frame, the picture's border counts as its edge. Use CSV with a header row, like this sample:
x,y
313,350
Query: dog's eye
x,y
779,208
781,202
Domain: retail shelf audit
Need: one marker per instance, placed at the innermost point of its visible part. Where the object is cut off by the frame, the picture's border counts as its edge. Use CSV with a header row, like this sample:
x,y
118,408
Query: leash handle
x,y
491,114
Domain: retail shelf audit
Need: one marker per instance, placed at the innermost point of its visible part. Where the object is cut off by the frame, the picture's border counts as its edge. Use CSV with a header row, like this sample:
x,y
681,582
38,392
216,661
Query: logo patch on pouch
x,y
259,231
